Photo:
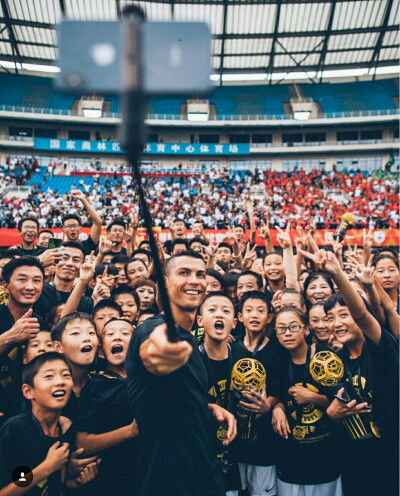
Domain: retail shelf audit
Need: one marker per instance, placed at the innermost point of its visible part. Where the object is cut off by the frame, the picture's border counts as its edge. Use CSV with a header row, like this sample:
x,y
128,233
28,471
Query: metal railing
x,y
227,117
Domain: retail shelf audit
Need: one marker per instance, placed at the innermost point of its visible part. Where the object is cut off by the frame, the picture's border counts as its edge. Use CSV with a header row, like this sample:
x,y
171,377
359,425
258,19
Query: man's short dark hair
x,y
46,231
142,251
212,295
254,274
179,241
75,244
58,329
107,303
254,295
216,275
295,292
125,289
25,260
71,217
195,240
230,279
24,219
120,258
332,301
225,245
272,253
116,222
32,368
111,269
186,253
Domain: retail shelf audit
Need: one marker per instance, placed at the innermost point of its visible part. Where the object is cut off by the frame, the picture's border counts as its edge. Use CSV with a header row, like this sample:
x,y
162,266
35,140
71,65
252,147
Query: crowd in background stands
x,y
219,197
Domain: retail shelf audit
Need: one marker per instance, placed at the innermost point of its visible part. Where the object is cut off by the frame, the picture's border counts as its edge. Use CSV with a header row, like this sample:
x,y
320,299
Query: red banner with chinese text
x,y
382,237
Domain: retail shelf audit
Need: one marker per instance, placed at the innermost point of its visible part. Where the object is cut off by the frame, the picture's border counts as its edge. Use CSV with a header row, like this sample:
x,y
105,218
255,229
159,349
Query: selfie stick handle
x,y
132,138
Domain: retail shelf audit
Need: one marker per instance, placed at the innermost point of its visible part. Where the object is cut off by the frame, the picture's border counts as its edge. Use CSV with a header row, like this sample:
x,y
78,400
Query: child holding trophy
x,y
308,461
370,392
256,454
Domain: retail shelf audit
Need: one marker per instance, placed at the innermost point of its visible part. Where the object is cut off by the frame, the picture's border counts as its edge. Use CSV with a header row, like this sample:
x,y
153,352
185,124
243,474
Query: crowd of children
x,y
95,400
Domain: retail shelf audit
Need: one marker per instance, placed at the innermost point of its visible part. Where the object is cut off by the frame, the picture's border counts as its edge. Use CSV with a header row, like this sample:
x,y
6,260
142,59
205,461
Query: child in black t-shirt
x,y
75,336
40,441
104,420
128,300
14,401
103,311
217,317
308,455
257,458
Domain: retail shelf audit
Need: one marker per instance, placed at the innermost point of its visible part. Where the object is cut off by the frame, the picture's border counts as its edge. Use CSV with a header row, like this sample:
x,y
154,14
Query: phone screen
x,y
54,243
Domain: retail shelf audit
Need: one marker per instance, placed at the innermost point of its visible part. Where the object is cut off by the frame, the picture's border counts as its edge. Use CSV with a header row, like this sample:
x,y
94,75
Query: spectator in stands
x,y
72,225
28,228
43,238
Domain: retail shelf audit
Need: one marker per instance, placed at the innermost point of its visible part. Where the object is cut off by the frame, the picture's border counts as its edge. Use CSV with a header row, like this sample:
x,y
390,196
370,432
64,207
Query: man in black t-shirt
x,y
167,388
71,224
72,256
28,228
23,283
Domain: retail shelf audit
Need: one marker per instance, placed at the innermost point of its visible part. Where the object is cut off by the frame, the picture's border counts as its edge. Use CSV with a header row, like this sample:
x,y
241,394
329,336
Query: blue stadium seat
x,y
353,97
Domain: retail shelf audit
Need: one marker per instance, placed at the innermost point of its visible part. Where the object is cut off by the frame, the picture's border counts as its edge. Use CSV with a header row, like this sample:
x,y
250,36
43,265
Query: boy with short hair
x,y
103,311
104,421
15,402
128,300
41,439
257,458
75,336
217,318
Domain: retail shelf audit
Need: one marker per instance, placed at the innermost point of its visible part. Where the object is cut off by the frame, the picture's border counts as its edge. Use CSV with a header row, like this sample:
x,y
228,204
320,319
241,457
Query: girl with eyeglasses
x,y
308,457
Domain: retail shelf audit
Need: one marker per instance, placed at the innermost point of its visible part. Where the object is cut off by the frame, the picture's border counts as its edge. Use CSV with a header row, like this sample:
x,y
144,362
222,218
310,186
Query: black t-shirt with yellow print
x,y
311,454
23,443
219,373
371,464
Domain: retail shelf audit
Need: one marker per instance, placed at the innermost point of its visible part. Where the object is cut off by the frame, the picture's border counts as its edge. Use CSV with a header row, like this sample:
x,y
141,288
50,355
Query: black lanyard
x,y
223,401
54,483
257,348
299,408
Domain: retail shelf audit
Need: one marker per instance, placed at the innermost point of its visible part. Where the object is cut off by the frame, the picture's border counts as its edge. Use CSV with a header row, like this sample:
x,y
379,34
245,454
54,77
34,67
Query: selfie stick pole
x,y
132,138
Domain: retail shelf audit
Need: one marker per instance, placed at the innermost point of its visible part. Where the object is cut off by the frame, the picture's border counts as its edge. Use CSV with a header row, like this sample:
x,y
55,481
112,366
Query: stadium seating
x,y
230,101
30,91
250,100
350,97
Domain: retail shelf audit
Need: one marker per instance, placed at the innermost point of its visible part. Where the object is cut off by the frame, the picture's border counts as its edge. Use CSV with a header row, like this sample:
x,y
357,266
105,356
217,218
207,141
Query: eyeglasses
x,y
71,226
291,328
116,231
29,229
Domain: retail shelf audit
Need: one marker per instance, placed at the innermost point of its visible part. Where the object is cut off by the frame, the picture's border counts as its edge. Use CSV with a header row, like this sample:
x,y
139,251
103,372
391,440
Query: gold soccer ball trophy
x,y
327,369
248,375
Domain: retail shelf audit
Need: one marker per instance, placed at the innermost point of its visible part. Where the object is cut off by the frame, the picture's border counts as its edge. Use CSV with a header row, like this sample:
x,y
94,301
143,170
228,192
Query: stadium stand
x,y
349,97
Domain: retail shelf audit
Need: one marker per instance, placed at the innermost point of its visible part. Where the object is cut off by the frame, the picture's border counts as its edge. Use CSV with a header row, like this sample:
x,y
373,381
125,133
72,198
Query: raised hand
x,y
283,237
105,246
26,327
264,231
250,257
87,269
367,239
300,241
337,246
325,260
77,194
363,273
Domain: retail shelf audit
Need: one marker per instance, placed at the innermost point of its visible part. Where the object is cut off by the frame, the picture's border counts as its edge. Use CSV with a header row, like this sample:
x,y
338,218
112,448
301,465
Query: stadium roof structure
x,y
250,36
